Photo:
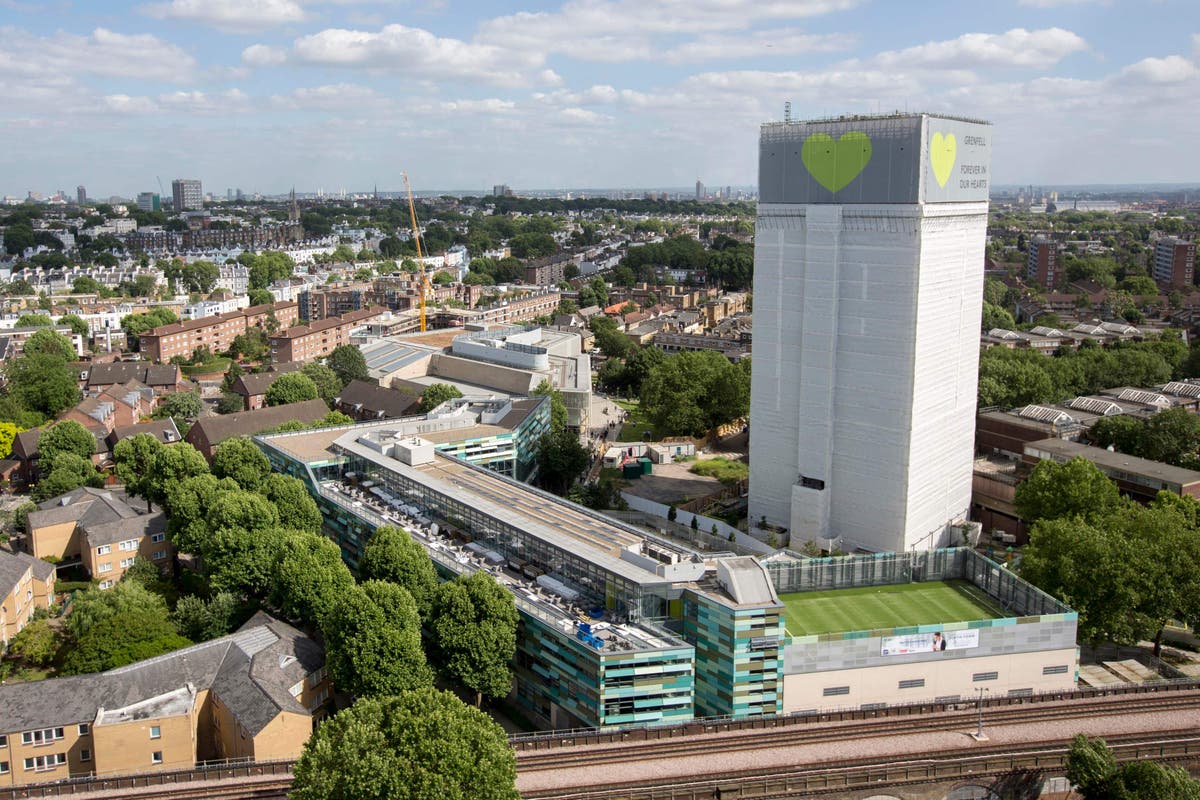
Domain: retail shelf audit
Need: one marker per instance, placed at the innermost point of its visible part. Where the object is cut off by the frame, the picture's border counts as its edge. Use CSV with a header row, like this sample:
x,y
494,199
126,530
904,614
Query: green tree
x,y
260,297
242,561
36,644
561,459
435,395
51,343
42,383
309,576
8,434
1093,769
297,509
473,628
181,405
201,620
76,323
122,639
230,403
92,606
172,465
252,345
392,555
373,641
348,363
1076,488
56,483
291,387
34,321
328,384
997,317
67,436
690,393
414,746
558,408
242,460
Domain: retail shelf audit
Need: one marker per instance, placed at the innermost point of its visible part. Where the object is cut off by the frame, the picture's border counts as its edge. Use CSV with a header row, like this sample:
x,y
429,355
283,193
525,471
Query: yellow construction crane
x,y
423,279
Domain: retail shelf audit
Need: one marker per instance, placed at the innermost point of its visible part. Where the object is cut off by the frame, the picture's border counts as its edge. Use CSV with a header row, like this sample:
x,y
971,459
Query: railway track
x,y
759,739
984,765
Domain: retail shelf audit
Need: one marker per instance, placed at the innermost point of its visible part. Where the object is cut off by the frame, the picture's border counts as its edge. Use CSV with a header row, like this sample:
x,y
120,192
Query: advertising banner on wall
x,y
929,642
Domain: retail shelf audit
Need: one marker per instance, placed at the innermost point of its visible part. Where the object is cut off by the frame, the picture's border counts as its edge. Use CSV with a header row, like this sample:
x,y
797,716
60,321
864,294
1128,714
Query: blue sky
x,y
265,94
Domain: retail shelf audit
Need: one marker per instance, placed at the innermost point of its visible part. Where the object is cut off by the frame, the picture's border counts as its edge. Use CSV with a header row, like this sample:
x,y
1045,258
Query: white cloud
x,y
124,104
756,44
330,97
490,105
263,55
233,16
1015,48
415,52
623,30
584,115
1172,69
102,52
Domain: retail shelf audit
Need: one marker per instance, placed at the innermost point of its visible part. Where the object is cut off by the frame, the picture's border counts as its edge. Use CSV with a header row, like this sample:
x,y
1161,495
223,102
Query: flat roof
x,y
1116,461
868,608
556,522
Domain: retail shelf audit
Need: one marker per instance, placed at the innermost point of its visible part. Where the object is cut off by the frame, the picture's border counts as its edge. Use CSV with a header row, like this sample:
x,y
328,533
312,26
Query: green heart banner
x,y
834,163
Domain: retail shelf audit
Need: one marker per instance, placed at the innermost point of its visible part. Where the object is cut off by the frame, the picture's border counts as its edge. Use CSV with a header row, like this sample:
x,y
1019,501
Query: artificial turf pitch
x,y
865,608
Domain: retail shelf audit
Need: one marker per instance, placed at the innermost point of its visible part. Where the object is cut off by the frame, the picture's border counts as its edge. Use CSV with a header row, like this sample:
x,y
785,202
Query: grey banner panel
x,y
874,160
958,163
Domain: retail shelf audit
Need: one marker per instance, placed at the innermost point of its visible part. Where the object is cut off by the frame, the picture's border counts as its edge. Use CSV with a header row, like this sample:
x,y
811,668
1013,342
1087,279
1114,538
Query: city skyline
x,y
267,94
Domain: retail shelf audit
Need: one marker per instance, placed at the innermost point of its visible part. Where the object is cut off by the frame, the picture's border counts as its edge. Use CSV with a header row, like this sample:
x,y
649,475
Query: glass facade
x,y
739,657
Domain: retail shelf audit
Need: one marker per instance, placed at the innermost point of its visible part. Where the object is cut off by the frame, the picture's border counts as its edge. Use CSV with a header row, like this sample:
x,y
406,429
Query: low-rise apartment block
x,y
253,695
102,529
216,332
26,584
318,339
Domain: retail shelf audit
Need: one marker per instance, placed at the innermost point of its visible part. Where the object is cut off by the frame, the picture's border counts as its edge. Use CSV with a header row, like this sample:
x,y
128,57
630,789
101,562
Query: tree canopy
x,y
1093,769
435,395
67,436
690,393
1076,488
392,555
373,641
291,387
240,459
414,746
473,627
348,363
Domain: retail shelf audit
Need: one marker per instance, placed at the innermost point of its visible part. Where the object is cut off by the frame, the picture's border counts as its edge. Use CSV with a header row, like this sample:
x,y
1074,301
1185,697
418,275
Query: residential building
x,y
318,339
161,378
868,297
215,333
733,348
549,271
1139,478
252,386
1175,262
12,340
187,195
254,695
102,528
26,584
149,201
1043,265
365,401
208,432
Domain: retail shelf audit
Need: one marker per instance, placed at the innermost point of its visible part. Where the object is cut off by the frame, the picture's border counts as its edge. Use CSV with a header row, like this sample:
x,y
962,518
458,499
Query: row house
x,y
216,332
305,343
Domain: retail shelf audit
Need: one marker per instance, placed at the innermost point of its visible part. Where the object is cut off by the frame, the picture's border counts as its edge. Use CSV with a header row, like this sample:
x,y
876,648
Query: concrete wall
x,y
952,678
59,541
504,379
128,746
284,737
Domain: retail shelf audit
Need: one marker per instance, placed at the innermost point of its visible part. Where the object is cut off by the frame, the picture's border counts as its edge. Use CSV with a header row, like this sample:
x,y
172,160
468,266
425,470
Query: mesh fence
x,y
880,569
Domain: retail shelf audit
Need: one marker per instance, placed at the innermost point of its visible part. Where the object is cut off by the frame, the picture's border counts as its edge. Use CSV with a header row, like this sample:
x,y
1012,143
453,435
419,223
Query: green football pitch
x,y
865,608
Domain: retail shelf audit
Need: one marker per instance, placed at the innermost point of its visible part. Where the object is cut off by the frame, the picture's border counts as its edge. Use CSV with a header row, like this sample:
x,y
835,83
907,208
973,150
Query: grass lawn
x,y
725,470
636,425
865,608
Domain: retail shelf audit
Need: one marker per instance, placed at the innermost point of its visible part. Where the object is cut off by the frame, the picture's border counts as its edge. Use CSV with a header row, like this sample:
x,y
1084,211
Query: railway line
x,y
758,739
1028,764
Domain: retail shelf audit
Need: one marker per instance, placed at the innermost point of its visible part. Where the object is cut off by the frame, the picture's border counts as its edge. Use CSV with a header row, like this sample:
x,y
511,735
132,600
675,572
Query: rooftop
x,y
868,608
1120,462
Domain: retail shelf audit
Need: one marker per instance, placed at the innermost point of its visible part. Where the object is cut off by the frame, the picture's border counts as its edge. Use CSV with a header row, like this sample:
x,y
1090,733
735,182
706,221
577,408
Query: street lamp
x,y
978,735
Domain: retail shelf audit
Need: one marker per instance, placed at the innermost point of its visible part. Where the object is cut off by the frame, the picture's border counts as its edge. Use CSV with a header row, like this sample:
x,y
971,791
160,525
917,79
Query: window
x,y
84,729
3,767
158,555
915,683
1056,670
85,755
156,757
985,676
833,691
128,544
106,584
47,762
3,741
105,567
158,537
126,563
44,736
155,732
104,549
